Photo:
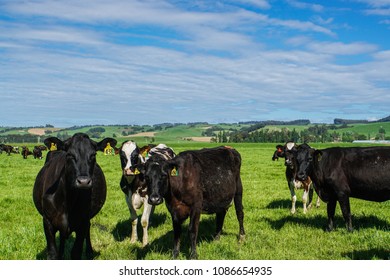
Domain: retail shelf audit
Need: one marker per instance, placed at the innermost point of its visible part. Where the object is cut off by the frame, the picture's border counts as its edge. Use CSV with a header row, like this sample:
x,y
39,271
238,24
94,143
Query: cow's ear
x,y
290,145
53,143
171,168
317,154
103,144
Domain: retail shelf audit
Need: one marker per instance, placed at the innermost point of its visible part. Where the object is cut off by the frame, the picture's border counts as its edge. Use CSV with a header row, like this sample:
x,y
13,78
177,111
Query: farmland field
x,y
272,233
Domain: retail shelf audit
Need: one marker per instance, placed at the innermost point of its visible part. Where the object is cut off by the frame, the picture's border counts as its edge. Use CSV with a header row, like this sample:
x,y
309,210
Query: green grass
x,y
272,233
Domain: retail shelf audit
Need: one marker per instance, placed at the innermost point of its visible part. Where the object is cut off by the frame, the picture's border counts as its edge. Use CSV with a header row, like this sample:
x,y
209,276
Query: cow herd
x,y
70,189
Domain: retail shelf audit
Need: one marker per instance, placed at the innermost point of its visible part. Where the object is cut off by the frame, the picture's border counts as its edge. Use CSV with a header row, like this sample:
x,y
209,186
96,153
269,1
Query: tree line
x,y
317,133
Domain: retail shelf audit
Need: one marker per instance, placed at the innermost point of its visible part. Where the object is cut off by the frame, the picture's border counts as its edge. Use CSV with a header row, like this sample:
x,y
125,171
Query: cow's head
x,y
156,175
286,152
279,153
80,157
304,156
130,157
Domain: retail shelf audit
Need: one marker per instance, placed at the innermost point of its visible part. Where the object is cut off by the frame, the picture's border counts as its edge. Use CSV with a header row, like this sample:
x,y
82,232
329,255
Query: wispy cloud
x,y
158,61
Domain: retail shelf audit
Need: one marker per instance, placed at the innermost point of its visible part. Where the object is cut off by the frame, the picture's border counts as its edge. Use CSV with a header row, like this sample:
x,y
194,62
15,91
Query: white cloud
x,y
338,48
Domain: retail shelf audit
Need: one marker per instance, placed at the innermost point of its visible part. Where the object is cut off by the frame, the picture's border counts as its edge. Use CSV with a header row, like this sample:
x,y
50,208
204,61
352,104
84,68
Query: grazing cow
x,y
195,182
69,190
26,152
134,187
37,152
293,183
341,173
9,149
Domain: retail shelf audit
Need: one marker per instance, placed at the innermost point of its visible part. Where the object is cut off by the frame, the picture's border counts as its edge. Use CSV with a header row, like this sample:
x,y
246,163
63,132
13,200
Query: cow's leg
x,y
62,244
193,231
50,234
88,249
293,196
346,210
78,245
331,208
145,221
133,217
239,211
176,236
304,200
220,218
311,192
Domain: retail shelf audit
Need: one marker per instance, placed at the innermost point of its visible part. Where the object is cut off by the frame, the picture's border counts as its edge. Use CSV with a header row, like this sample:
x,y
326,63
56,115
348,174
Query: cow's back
x,y
366,171
212,175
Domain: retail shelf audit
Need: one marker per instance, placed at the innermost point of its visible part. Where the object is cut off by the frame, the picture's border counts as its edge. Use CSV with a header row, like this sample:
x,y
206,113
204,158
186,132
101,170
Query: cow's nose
x,y
155,199
83,182
301,176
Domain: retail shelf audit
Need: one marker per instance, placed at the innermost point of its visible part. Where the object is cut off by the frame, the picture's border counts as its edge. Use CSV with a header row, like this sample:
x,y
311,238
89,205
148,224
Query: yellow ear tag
x,y
174,172
53,147
136,171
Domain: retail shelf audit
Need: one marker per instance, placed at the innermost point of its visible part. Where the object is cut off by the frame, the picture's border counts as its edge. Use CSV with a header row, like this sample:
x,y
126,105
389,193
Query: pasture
x,y
272,233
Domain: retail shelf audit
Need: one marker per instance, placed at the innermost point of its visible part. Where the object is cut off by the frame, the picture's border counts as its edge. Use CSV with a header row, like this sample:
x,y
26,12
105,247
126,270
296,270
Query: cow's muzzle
x,y
83,182
301,176
155,199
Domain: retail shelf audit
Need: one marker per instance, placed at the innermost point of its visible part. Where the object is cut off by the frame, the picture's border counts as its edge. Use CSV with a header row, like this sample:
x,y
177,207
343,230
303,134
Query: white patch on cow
x,y
290,145
128,148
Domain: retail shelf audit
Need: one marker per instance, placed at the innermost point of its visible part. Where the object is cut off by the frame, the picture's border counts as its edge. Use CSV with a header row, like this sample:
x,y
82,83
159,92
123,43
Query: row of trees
x,y
317,133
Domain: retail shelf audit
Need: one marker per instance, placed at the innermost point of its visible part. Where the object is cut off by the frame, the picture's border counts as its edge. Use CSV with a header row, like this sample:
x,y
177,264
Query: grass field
x,y
272,233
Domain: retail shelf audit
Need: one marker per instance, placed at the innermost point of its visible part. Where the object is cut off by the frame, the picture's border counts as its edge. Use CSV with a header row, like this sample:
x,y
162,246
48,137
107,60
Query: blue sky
x,y
72,62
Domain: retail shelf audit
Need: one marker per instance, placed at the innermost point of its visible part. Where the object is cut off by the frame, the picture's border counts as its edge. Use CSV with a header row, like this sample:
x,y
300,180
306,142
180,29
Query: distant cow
x,y
134,187
341,173
195,182
293,183
69,190
37,152
26,152
9,149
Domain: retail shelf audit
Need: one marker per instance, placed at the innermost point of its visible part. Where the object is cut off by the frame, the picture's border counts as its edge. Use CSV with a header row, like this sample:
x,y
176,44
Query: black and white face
x,y
130,157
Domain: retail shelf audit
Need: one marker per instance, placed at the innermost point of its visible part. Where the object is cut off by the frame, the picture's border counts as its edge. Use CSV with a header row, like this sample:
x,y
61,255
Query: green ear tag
x,y
174,172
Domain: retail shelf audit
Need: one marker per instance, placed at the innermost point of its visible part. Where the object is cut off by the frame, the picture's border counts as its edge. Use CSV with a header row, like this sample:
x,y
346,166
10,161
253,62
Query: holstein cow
x,y
195,182
341,173
69,190
293,183
133,184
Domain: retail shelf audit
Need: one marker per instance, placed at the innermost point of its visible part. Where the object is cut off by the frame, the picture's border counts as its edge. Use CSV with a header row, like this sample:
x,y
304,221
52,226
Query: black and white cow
x,y
292,182
340,173
133,184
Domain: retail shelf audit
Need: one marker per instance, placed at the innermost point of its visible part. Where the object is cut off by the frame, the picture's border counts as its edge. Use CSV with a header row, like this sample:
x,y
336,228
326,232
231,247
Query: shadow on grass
x,y
164,243
281,204
318,221
122,229
67,251
371,254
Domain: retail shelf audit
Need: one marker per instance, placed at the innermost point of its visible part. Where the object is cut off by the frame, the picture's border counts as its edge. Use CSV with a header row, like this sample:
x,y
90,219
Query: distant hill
x,y
339,121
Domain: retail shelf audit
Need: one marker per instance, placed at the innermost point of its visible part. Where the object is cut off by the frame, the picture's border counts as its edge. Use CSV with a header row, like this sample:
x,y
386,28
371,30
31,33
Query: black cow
x,y
195,182
293,183
341,173
26,152
37,152
9,149
69,190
